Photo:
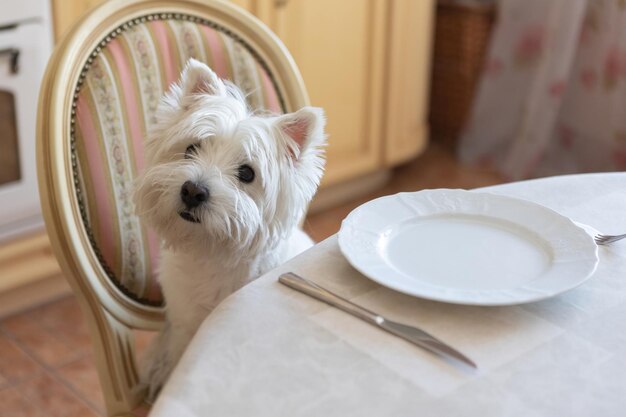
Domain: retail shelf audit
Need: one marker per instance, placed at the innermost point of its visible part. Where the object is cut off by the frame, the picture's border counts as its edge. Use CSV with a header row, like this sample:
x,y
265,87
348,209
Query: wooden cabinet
x,y
340,50
366,62
407,81
66,12
30,273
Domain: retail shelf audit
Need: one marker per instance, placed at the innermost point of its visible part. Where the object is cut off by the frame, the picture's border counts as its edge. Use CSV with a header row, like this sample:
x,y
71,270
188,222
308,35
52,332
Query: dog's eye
x,y
246,174
192,150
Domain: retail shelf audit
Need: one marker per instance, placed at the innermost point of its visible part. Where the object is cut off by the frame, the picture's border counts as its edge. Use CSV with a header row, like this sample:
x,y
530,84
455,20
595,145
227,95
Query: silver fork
x,y
606,239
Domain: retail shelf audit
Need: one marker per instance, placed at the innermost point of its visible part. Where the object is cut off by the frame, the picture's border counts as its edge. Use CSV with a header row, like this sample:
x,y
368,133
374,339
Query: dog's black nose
x,y
193,194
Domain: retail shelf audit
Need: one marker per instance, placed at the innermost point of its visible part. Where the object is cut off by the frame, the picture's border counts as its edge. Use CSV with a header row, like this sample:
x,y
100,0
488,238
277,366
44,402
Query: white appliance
x,y
25,46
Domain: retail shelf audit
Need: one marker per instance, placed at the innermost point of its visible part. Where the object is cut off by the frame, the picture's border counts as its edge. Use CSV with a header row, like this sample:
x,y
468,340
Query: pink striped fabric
x,y
116,102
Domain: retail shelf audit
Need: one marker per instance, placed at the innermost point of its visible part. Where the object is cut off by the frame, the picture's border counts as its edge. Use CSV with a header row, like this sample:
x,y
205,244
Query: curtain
x,y
552,95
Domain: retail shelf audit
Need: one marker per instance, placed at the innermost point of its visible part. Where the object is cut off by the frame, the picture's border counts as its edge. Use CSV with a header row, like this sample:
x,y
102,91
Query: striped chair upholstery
x,y
115,103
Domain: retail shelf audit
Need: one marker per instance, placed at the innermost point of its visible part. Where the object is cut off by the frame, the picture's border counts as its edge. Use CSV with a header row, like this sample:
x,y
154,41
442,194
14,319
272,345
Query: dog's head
x,y
217,174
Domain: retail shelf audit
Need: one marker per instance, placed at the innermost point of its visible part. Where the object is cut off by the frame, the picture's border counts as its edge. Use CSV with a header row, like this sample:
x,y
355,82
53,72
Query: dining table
x,y
268,350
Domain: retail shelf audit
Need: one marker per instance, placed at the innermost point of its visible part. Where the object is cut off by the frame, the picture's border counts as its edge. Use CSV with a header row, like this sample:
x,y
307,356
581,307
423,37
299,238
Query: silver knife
x,y
411,334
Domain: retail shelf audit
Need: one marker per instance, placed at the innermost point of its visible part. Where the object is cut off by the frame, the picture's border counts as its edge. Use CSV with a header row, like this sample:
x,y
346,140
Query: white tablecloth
x,y
271,351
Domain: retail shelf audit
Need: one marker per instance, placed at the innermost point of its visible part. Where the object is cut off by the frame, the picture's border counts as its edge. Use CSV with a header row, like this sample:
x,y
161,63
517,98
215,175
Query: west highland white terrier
x,y
225,190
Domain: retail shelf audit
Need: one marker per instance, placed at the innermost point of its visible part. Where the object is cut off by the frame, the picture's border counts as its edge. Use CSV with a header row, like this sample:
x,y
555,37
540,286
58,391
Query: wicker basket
x,y
461,40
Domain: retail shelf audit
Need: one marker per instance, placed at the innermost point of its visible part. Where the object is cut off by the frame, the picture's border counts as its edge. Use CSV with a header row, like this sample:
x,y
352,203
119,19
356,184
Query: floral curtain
x,y
552,97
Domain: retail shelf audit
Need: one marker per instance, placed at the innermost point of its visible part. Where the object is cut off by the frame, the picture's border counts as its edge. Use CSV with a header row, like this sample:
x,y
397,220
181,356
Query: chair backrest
x,y
98,97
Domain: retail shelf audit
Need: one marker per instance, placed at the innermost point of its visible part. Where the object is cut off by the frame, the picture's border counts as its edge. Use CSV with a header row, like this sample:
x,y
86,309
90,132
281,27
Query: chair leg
x,y
114,349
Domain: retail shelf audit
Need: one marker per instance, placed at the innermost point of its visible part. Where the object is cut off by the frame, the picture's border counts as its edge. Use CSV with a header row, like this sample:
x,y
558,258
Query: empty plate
x,y
467,247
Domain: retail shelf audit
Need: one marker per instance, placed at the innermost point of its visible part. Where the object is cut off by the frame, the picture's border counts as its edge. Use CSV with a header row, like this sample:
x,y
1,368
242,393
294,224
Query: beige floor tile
x,y
82,376
15,365
14,404
64,318
51,395
44,345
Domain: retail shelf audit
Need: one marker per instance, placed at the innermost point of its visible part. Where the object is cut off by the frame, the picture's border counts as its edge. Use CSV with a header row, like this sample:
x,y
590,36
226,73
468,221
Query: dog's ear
x,y
305,129
198,78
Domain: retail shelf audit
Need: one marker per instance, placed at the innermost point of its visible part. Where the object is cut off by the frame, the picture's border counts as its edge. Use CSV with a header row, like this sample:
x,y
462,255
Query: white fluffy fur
x,y
244,229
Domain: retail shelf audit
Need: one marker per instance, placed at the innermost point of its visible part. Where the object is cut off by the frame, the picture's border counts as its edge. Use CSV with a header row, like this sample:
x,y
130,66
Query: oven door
x,y
24,50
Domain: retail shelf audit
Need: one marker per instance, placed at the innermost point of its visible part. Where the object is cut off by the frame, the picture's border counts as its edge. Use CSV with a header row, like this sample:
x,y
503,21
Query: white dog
x,y
225,190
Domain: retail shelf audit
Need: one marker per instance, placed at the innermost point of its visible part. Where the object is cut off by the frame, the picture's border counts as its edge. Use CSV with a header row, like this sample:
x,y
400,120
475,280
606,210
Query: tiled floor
x,y
46,360
46,364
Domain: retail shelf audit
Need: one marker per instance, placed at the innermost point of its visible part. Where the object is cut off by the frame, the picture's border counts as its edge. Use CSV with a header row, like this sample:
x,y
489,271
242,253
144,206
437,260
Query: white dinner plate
x,y
467,247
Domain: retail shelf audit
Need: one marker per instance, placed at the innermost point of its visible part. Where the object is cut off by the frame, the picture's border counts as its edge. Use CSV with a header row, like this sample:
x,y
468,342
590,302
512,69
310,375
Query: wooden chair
x,y
100,91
